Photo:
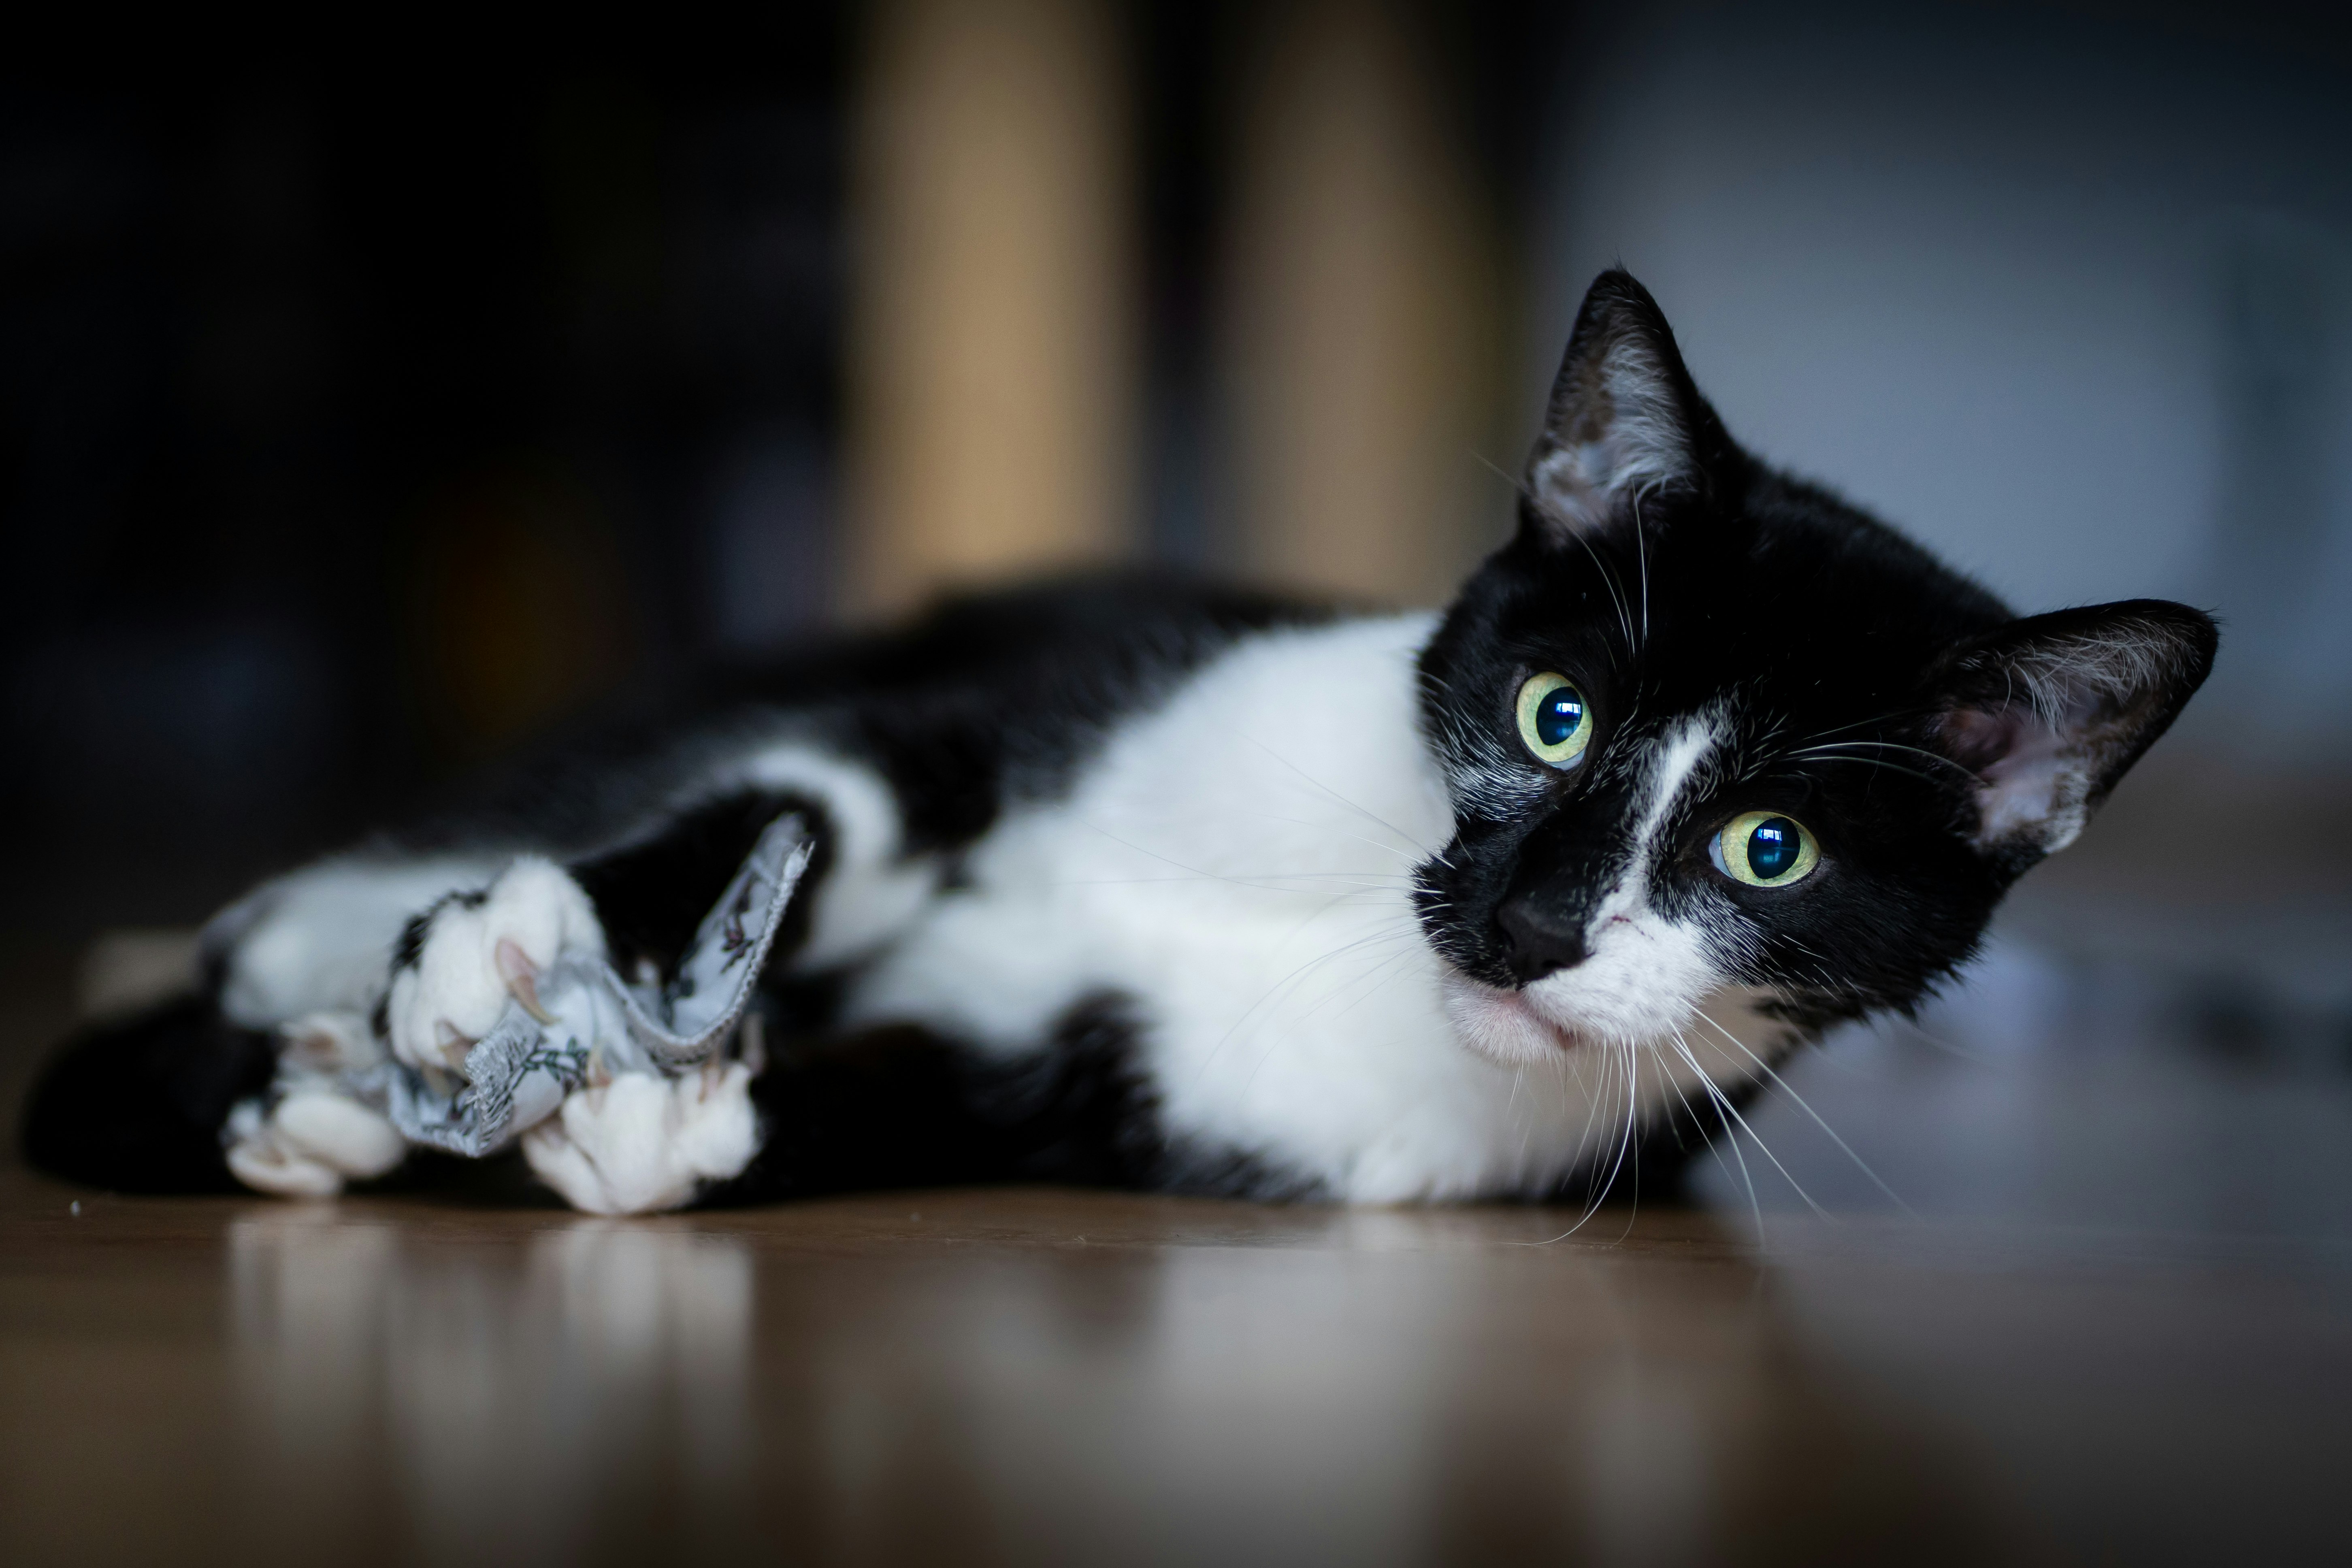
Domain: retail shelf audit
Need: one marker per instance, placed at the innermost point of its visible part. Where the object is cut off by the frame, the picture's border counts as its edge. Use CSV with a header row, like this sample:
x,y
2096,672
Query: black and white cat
x,y
1158,886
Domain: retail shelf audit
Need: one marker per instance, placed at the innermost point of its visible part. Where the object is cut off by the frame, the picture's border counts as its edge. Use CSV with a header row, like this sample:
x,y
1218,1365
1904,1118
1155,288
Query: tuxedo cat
x,y
1166,887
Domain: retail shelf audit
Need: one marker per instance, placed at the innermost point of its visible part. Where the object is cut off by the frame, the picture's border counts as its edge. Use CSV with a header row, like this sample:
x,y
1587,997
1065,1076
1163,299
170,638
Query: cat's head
x,y
1706,725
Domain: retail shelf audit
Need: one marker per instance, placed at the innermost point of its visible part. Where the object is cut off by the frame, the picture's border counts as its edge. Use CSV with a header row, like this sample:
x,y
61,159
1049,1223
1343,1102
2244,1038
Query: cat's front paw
x,y
461,961
642,1142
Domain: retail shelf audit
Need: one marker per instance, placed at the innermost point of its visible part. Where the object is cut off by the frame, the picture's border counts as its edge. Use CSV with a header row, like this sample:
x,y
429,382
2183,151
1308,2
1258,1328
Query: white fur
x,y
338,1131
642,1142
265,1166
1240,862
319,938
310,1142
454,994
1645,975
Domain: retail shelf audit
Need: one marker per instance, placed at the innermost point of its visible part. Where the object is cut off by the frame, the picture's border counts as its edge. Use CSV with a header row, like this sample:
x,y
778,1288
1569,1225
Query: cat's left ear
x,y
2049,712
1624,422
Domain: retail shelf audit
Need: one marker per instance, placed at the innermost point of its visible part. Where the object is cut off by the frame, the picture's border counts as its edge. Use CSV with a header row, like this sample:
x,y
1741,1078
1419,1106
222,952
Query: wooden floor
x,y
1025,1377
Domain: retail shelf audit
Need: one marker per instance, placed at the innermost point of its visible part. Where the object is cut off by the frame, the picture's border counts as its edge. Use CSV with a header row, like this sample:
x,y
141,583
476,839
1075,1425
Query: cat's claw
x,y
479,951
521,976
641,1142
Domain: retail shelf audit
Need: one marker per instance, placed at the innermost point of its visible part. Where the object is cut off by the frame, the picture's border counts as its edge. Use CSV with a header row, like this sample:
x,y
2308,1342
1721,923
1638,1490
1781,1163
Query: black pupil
x,y
1558,715
1772,847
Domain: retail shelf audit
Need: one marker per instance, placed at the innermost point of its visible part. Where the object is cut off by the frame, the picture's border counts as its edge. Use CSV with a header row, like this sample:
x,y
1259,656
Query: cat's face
x,y
1705,726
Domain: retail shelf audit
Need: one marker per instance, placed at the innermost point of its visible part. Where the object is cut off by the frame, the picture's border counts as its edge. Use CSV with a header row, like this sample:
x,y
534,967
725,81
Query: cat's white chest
x,y
1238,865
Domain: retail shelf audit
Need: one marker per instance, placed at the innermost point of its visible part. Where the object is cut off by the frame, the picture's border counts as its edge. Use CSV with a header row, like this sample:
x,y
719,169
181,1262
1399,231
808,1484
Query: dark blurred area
x,y
368,410
364,411
367,413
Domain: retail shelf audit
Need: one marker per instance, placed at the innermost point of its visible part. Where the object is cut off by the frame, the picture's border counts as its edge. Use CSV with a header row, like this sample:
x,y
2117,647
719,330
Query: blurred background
x,y
368,407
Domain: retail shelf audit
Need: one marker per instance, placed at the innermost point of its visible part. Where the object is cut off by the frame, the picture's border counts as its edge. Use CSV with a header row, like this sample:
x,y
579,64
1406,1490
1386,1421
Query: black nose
x,y
1539,937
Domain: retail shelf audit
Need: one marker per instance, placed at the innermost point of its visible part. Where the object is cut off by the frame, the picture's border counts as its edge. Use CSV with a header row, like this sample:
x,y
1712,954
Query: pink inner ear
x,y
2022,765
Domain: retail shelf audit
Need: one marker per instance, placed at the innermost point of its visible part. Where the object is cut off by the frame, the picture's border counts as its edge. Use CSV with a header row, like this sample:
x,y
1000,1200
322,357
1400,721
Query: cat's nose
x,y
1540,938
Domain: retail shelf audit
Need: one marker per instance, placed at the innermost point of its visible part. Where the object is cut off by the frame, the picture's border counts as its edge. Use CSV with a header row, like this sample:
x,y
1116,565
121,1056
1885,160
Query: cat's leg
x,y
420,956
459,963
315,940
159,1101
325,970
305,959
455,968
639,1142
303,1134
889,1108
636,1141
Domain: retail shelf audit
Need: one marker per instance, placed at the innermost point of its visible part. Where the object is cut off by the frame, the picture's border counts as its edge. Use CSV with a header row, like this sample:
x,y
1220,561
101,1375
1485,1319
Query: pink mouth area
x,y
1505,1024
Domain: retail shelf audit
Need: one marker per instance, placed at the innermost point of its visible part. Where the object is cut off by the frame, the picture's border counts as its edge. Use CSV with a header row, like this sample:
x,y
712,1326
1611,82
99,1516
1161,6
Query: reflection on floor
x,y
1023,1376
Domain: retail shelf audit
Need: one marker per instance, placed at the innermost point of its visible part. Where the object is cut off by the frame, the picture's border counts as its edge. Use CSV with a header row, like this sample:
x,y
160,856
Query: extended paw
x,y
314,1137
462,961
642,1142
309,1144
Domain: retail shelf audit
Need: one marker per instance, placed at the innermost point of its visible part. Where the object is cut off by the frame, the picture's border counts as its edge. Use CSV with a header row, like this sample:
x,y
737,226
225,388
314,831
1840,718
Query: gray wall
x,y
2069,299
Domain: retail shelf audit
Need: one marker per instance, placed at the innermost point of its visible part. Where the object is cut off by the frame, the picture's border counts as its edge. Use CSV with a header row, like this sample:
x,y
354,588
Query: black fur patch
x,y
1085,1111
904,1108
652,895
137,1106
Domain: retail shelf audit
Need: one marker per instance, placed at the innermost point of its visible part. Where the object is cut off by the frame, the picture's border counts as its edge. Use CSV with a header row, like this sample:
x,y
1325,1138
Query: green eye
x,y
1553,719
1764,849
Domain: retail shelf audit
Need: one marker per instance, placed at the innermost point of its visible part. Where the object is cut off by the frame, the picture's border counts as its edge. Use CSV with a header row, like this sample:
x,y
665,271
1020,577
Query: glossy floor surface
x,y
1050,1376
1036,1376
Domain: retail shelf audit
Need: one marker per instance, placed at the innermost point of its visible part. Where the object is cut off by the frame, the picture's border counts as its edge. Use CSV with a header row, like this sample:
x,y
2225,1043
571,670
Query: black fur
x,y
652,893
902,1107
137,1105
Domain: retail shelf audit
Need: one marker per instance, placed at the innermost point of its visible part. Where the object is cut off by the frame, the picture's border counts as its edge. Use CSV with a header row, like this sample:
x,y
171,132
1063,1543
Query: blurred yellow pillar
x,y
1361,317
993,354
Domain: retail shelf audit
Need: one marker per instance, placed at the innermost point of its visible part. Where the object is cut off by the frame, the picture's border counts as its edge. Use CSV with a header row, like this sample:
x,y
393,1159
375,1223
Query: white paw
x,y
480,951
642,1142
309,1144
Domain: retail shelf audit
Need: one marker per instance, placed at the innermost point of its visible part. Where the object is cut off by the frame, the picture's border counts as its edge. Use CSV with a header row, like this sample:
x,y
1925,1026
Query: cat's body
x,y
1164,887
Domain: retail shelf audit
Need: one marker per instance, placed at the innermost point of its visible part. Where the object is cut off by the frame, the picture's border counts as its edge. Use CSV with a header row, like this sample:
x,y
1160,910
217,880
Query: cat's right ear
x,y
2046,713
1624,422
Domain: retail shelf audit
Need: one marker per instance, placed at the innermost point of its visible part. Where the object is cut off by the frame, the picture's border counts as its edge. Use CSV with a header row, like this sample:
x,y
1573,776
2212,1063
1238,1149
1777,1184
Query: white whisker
x,y
1766,1068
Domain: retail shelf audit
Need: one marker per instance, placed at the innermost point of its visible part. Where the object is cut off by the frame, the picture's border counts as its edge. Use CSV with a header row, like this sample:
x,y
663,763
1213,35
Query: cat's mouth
x,y
1508,1026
